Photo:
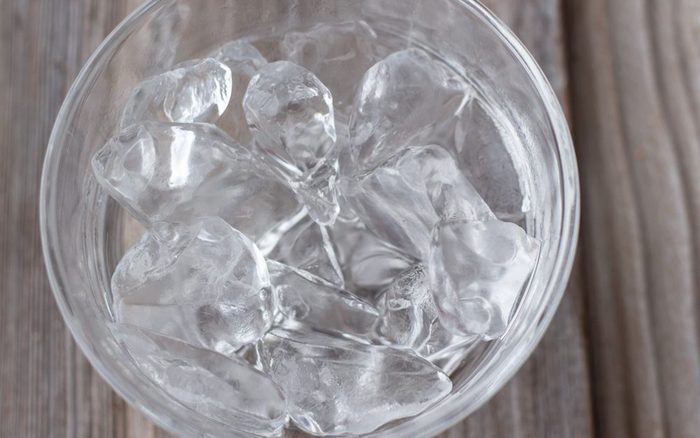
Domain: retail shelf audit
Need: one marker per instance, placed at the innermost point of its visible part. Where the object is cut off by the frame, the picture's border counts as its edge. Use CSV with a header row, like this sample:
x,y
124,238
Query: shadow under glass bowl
x,y
84,233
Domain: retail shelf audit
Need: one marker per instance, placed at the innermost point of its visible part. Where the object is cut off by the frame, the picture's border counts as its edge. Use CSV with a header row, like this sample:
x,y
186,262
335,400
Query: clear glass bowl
x,y
84,232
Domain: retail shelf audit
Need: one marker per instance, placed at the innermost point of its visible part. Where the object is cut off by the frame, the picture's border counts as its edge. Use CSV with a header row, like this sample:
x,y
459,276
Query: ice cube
x,y
369,264
408,318
477,273
451,194
490,153
290,114
309,303
196,91
162,37
407,312
204,284
240,55
336,386
307,246
182,172
224,389
338,53
400,98
402,200
244,60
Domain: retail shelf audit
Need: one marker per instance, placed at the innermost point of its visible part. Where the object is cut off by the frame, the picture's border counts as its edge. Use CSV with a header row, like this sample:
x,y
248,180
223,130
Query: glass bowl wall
x,y
85,233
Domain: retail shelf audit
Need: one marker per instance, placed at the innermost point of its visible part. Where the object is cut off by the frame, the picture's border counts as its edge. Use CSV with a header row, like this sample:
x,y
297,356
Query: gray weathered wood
x,y
632,66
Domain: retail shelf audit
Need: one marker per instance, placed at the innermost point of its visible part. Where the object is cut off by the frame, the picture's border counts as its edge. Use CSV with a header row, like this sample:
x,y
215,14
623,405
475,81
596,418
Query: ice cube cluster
x,y
315,256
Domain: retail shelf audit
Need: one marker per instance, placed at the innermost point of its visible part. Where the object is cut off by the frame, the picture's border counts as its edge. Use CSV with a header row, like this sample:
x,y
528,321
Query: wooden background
x,y
621,358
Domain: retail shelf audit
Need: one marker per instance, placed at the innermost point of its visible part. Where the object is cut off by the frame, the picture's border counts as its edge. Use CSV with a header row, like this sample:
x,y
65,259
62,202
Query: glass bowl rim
x,y
438,420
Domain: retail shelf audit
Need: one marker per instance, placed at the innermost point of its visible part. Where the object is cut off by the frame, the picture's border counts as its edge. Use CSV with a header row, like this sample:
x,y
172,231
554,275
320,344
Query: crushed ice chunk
x,y
400,98
489,152
402,200
408,318
338,53
195,91
337,386
224,389
240,55
307,246
407,312
450,192
164,34
182,172
477,273
205,284
310,303
290,114
245,61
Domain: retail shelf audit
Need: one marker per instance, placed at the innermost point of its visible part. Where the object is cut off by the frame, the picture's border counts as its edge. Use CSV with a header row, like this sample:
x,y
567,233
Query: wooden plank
x,y
633,72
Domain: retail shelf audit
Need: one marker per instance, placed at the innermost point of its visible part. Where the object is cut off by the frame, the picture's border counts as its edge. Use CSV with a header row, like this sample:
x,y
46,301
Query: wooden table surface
x,y
621,358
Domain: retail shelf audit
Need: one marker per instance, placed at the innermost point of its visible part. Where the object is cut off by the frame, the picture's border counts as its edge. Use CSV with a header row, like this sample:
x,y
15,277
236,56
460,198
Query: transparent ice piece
x,y
240,55
307,246
336,386
489,152
224,389
369,264
290,114
408,318
310,303
338,53
164,35
182,172
204,284
244,60
402,200
477,273
400,98
196,91
407,312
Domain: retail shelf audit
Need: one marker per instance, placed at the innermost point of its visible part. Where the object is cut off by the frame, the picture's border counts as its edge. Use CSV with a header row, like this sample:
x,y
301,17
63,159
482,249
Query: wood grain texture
x,y
635,124
622,356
